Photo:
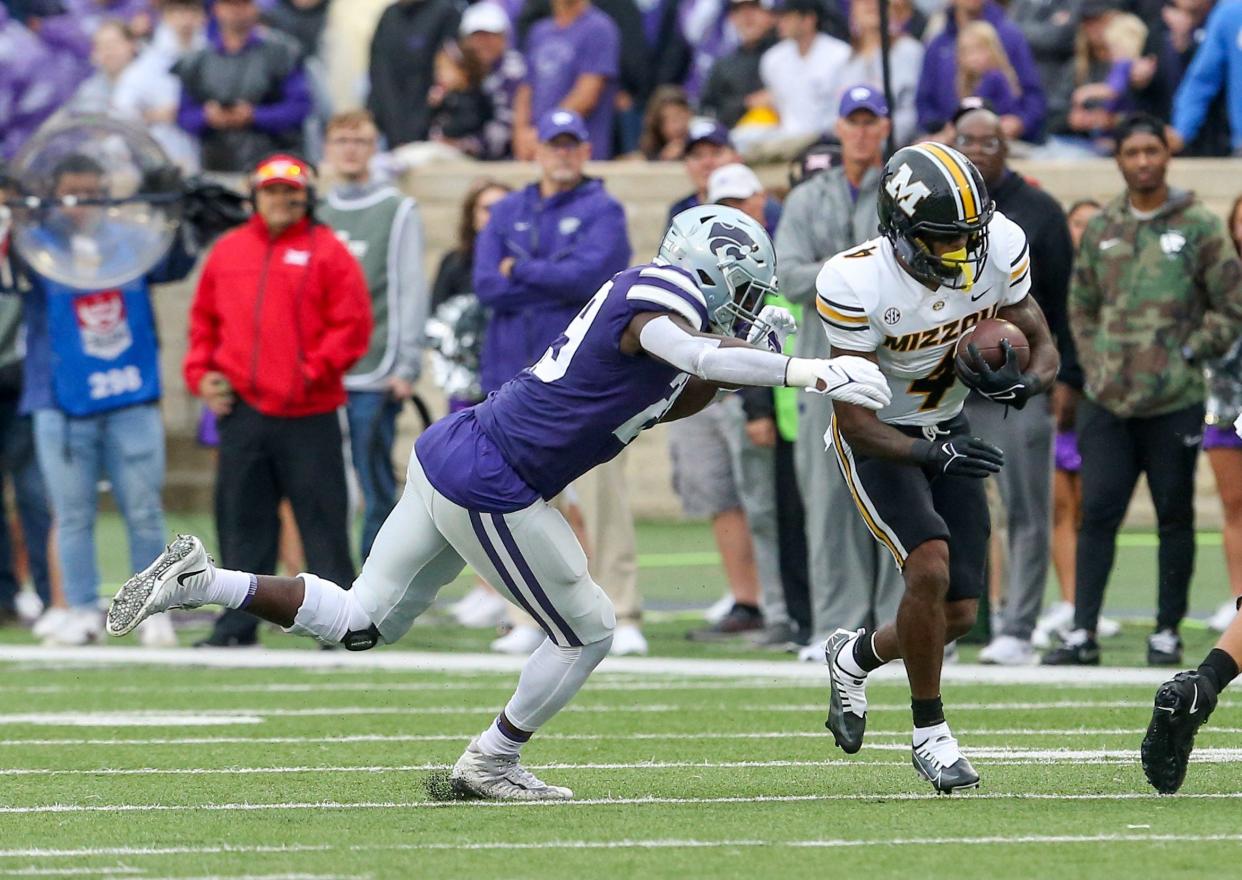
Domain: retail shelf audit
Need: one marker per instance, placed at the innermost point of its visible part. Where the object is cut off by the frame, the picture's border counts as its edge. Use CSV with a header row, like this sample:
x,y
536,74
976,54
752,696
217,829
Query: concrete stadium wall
x,y
646,190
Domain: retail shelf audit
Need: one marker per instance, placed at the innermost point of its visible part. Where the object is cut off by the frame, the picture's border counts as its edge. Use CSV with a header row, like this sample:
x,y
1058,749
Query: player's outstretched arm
x,y
730,362
1009,384
958,456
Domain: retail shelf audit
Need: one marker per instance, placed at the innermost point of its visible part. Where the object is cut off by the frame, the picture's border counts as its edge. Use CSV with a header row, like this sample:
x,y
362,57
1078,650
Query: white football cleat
x,y
1008,651
500,778
627,640
521,640
176,579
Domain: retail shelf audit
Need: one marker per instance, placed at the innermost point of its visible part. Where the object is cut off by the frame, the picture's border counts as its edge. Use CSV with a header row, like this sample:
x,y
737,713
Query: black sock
x,y
927,713
1219,668
752,610
864,653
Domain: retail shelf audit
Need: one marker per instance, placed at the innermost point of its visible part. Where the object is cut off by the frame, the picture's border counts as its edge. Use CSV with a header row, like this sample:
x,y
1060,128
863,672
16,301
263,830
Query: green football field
x,y
703,760
319,772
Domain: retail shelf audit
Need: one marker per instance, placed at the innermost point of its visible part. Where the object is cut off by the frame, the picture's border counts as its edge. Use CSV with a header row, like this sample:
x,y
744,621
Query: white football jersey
x,y
869,303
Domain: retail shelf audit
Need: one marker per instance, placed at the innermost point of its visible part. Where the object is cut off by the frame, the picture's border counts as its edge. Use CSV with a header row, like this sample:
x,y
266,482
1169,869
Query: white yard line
x,y
393,659
830,843
585,802
996,756
255,715
562,737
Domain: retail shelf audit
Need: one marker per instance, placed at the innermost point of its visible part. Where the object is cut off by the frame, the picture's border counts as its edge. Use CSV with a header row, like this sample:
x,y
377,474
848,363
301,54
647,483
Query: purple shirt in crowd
x,y
577,408
556,57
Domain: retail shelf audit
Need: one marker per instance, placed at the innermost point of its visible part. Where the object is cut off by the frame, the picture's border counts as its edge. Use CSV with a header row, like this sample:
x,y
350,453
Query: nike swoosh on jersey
x,y
980,296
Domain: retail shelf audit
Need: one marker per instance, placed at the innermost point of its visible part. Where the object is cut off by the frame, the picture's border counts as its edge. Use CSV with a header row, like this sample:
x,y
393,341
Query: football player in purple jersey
x,y
656,343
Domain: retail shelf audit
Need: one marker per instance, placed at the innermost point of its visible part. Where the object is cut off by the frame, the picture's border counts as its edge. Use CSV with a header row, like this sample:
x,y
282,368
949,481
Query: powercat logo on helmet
x,y
725,240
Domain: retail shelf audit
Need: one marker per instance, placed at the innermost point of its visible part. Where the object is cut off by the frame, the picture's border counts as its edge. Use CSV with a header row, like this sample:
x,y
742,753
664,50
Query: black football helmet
x,y
929,191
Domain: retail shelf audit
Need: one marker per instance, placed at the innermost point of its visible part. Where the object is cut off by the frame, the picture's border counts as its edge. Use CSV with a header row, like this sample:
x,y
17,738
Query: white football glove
x,y
772,328
854,380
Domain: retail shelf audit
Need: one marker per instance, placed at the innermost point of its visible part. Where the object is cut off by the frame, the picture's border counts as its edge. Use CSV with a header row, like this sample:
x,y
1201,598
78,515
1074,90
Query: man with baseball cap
x,y
545,251
708,147
484,35
280,314
853,581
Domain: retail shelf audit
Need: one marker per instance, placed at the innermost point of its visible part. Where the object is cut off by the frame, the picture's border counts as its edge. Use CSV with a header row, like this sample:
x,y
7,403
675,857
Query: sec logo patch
x,y
892,316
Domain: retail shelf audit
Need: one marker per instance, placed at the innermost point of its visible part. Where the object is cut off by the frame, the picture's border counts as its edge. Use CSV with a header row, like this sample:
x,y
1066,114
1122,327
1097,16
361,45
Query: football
x,y
987,336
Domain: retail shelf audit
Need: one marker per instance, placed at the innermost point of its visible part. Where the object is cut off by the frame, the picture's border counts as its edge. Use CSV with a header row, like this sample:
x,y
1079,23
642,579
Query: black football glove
x,y
959,456
1008,385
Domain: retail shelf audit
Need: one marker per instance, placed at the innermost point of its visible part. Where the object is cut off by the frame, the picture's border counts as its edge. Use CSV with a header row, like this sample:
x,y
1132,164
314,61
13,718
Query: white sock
x,y
494,740
229,588
845,659
550,678
327,612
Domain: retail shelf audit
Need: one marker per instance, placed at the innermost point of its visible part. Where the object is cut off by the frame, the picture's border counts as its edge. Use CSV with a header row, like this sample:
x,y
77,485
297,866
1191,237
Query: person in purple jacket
x,y
544,250
245,95
30,89
655,343
936,104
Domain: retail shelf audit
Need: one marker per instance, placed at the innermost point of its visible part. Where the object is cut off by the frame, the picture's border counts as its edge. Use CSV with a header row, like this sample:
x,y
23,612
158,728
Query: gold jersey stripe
x,y
829,312
960,177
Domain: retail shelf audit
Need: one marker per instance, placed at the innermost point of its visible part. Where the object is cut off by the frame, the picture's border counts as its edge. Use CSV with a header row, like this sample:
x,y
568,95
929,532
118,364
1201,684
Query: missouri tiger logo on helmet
x,y
929,194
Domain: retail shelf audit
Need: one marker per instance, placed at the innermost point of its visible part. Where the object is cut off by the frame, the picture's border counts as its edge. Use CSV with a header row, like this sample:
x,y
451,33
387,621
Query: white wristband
x,y
801,373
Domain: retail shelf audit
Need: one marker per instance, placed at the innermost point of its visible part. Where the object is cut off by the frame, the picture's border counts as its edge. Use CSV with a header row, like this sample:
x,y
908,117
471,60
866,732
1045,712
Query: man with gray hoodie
x,y
853,580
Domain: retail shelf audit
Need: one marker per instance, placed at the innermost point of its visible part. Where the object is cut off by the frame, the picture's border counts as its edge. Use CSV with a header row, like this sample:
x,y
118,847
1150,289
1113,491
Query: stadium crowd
x,y
241,86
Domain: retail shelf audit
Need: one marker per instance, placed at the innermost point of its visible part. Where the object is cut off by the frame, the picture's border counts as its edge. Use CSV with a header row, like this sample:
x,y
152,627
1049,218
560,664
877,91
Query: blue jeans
x,y
372,432
19,464
127,447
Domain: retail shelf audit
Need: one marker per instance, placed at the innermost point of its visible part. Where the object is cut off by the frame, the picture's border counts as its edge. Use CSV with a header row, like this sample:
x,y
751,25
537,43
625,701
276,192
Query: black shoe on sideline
x,y
740,620
1182,705
1164,648
1079,648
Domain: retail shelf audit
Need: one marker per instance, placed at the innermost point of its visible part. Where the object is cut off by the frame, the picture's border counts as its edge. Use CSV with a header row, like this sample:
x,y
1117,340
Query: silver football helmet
x,y
732,259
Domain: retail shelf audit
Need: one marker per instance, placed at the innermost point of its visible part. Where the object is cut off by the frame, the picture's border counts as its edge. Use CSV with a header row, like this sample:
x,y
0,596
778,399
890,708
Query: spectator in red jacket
x,y
281,312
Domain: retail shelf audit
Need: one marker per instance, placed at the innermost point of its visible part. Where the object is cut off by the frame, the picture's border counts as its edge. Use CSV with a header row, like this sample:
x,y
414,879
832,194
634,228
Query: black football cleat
x,y
1182,705
939,760
847,696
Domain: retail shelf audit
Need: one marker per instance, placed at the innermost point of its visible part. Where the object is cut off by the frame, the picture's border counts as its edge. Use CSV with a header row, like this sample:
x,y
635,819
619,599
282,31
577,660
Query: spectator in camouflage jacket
x,y
1157,291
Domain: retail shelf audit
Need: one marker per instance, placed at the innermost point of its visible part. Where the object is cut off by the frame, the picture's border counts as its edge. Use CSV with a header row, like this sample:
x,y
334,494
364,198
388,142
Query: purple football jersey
x,y
577,407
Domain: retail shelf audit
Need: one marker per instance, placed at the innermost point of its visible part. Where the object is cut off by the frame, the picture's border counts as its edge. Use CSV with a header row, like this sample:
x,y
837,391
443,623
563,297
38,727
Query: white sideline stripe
x,y
999,756
267,877
255,715
138,718
547,737
428,662
612,844
62,872
587,802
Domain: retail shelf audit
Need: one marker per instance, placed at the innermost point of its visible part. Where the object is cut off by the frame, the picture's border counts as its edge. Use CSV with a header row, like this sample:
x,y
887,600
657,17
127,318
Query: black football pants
x,y
1114,452
262,460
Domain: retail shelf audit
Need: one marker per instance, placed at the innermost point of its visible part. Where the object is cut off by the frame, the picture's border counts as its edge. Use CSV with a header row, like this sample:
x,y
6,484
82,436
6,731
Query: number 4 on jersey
x,y
936,384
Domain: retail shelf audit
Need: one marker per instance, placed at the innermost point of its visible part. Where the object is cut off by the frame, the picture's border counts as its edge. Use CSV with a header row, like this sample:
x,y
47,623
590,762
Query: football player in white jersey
x,y
945,260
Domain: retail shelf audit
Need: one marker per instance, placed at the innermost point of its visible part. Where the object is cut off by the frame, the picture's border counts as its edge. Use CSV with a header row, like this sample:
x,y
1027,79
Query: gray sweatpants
x,y
1025,484
854,581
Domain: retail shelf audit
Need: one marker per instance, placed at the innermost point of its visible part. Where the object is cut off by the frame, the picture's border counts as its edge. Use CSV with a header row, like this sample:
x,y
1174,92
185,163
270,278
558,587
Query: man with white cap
x,y
484,35
765,464
853,581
